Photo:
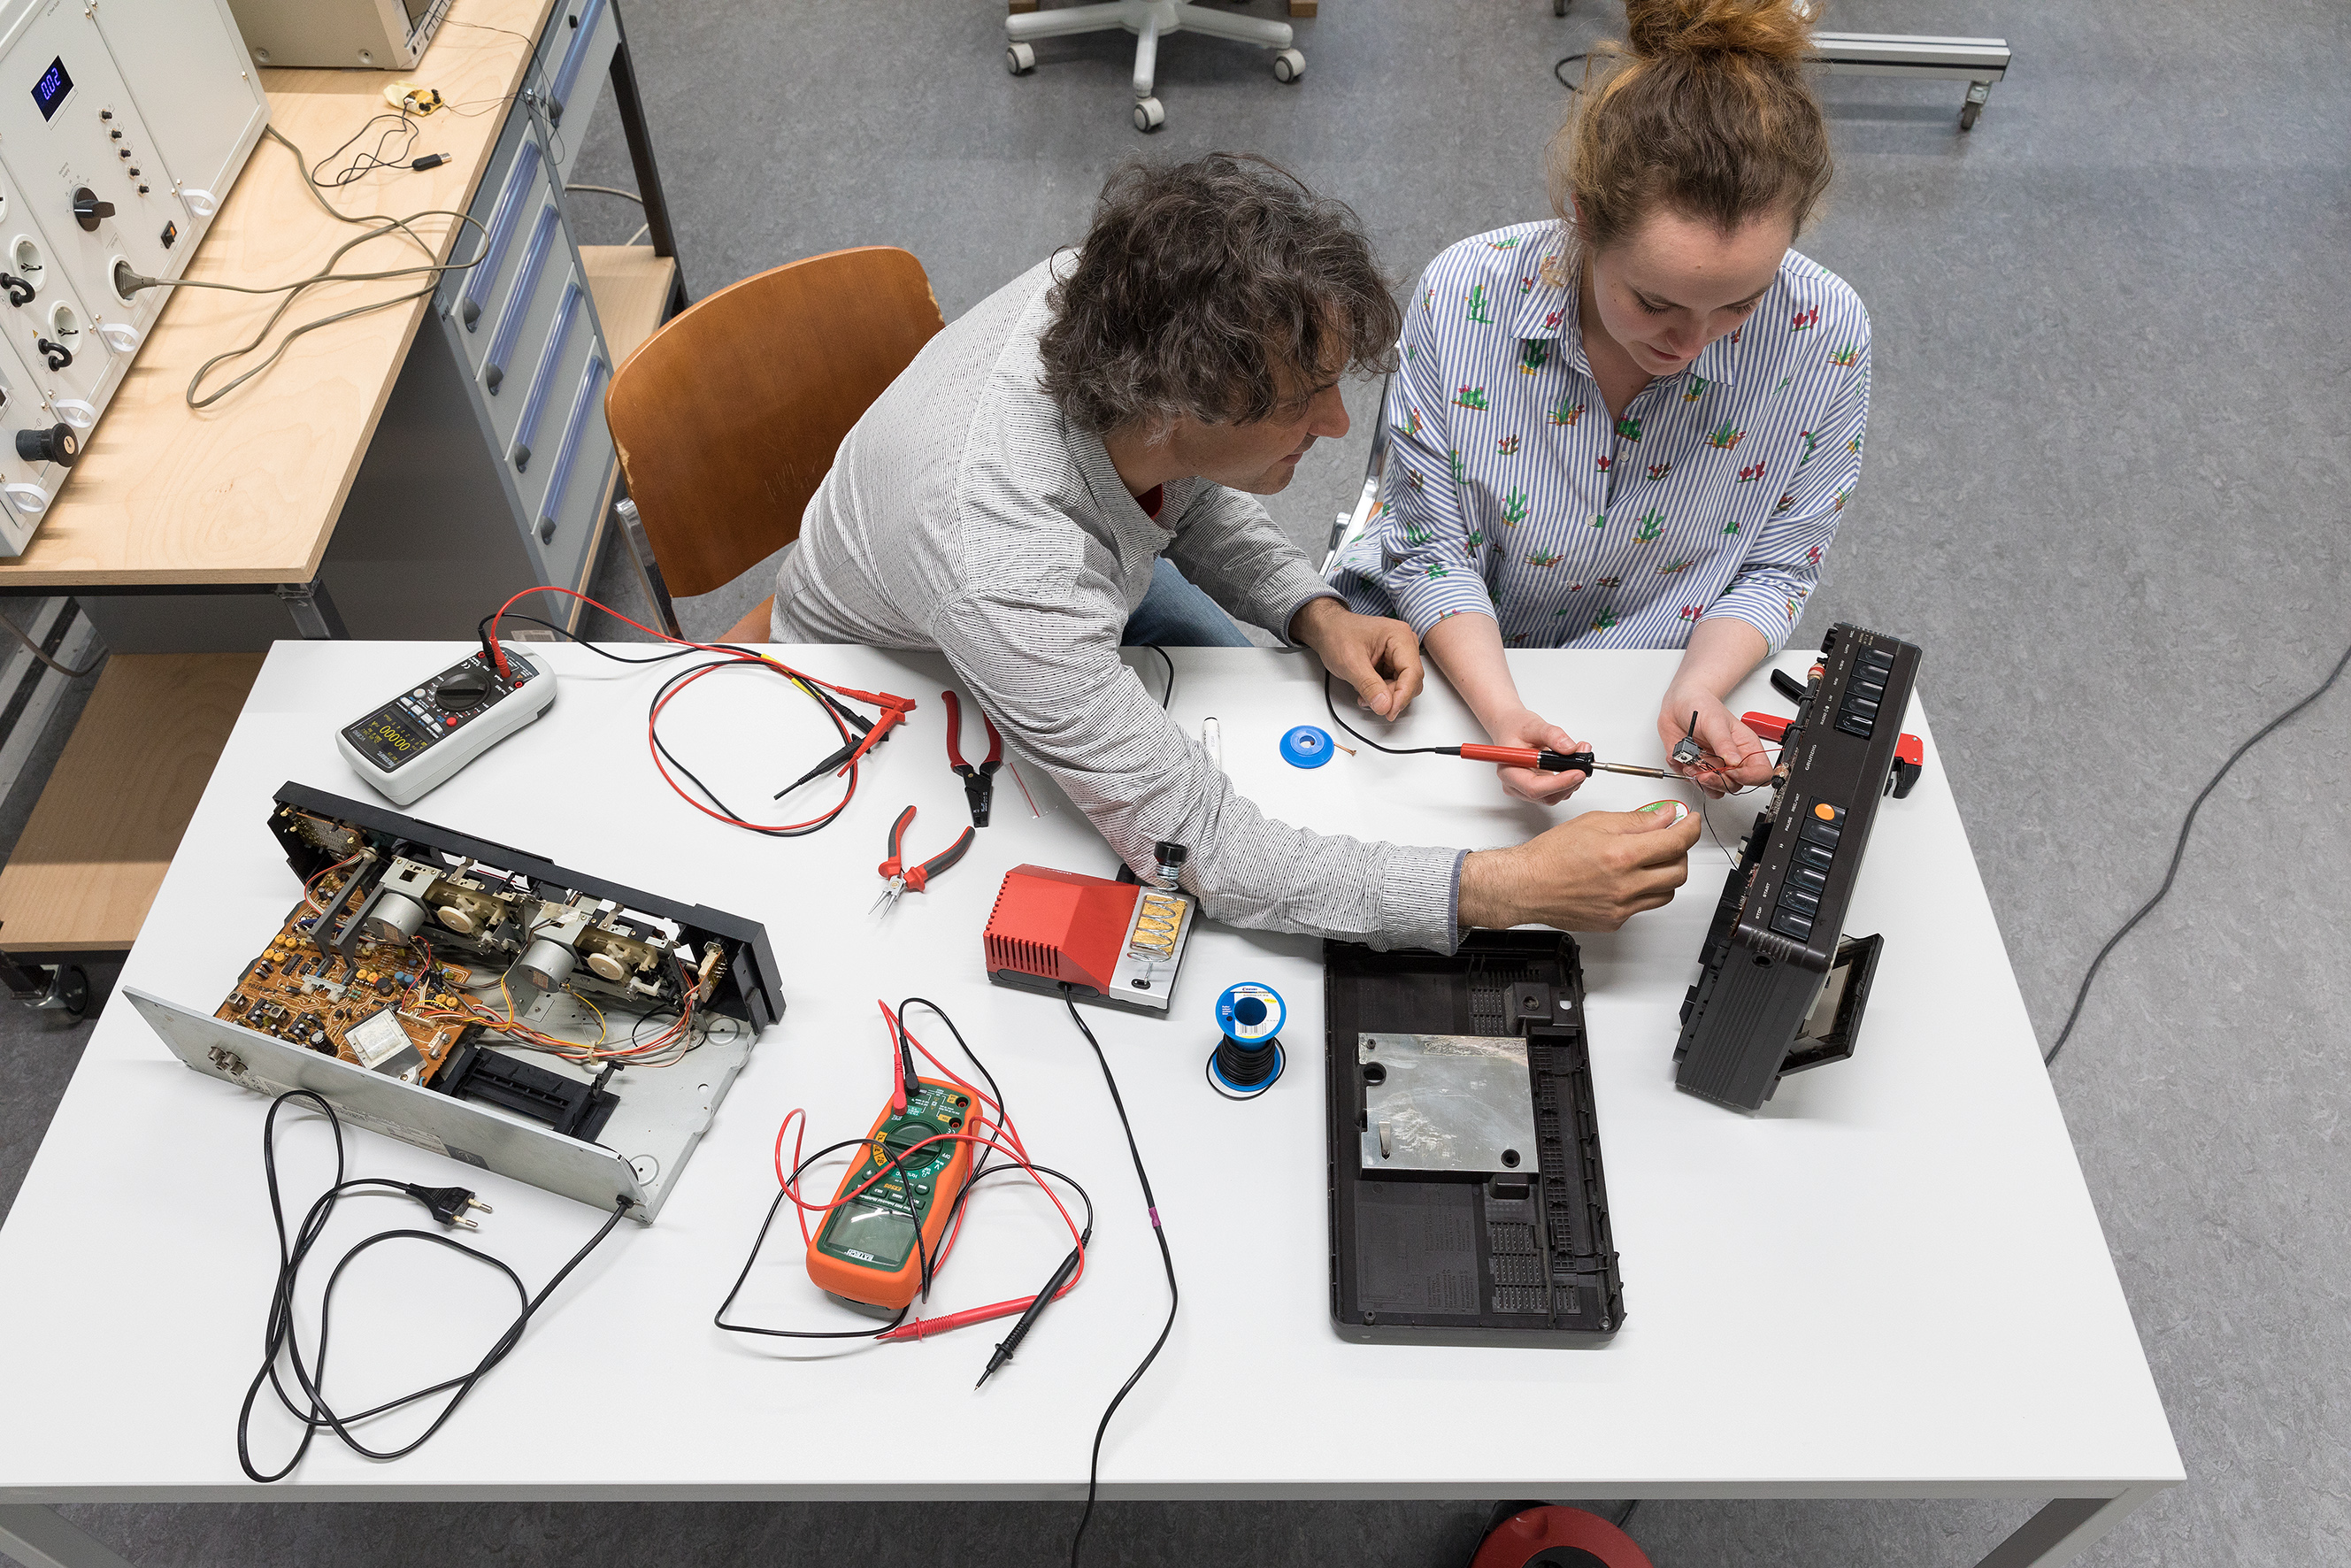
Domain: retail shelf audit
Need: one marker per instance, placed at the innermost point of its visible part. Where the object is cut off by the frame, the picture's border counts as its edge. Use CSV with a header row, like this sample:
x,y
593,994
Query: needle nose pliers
x,y
901,877
979,783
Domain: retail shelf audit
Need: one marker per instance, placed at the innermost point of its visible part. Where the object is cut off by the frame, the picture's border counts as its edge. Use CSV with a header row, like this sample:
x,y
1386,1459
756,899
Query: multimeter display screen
x,y
389,737
51,89
870,1233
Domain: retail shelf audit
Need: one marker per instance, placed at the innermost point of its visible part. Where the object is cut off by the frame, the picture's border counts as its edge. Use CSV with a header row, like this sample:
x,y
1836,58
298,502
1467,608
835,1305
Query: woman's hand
x,y
1524,726
1735,756
1468,649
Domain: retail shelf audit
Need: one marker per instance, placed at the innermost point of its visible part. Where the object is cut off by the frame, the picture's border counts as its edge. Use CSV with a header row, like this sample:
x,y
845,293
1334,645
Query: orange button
x,y
1824,811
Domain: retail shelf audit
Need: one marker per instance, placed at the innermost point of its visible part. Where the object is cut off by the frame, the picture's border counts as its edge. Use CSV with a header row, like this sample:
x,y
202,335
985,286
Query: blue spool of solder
x,y
1306,747
1248,1060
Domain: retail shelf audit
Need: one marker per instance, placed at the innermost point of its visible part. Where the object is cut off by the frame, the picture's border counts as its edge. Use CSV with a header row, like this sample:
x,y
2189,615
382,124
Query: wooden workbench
x,y
248,491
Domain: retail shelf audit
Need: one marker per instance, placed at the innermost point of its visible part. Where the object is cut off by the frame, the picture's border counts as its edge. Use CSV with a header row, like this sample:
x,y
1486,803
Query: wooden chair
x,y
728,417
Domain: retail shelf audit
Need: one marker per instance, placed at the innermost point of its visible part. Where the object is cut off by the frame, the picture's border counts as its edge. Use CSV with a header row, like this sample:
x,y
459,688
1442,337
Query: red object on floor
x,y
1553,1535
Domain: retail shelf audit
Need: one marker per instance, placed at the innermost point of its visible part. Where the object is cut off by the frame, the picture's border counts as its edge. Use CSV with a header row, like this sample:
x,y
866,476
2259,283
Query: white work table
x,y
1889,1283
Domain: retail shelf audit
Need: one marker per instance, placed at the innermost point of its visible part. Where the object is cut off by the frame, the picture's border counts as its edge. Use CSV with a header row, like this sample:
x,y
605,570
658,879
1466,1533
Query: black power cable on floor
x,y
2179,848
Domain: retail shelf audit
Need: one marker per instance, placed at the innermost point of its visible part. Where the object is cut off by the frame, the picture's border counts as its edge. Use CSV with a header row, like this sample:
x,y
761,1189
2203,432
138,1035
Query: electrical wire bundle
x,y
997,1149
859,735
382,154
309,1373
665,1048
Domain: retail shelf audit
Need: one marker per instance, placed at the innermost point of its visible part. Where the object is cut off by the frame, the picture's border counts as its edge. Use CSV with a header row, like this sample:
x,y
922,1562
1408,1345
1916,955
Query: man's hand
x,y
1377,656
1524,726
1735,755
1591,873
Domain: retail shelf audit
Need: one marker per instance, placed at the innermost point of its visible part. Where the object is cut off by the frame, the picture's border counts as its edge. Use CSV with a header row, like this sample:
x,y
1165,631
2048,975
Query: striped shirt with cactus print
x,y
1510,493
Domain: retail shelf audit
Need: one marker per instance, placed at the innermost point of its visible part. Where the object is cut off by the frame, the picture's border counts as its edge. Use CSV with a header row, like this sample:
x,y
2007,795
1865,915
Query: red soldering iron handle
x,y
1529,757
1507,756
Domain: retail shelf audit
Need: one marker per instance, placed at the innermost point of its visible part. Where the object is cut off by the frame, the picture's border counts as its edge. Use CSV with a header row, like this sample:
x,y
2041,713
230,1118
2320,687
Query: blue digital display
x,y
51,89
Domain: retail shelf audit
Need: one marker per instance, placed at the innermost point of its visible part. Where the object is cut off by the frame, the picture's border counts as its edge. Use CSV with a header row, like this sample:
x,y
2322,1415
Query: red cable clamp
x,y
893,711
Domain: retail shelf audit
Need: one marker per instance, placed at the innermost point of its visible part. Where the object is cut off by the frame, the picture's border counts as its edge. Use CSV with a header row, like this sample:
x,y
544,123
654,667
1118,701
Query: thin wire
x,y
1558,70
607,191
389,225
281,1340
365,164
1169,695
570,636
1166,1258
2179,848
39,652
1330,703
1281,1065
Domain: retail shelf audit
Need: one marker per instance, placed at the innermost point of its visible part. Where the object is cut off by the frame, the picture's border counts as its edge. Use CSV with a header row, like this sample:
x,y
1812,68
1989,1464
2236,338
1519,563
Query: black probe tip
x,y
999,1359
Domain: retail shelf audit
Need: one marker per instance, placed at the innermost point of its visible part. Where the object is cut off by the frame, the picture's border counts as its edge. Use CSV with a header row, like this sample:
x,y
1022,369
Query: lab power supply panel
x,y
491,466
122,125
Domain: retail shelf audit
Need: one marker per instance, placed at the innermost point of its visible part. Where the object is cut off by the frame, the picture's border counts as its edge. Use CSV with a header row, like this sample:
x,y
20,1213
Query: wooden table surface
x,y
248,491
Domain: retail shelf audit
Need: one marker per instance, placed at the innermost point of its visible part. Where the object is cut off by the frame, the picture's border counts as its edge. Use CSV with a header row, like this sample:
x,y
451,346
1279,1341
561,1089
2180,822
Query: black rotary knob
x,y
88,209
463,690
57,445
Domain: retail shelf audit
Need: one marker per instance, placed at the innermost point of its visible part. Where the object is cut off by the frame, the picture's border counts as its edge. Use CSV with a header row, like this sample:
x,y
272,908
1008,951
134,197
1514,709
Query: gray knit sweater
x,y
964,514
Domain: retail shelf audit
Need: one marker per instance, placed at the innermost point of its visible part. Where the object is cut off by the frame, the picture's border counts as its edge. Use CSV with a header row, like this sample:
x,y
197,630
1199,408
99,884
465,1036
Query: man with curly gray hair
x,y
1069,468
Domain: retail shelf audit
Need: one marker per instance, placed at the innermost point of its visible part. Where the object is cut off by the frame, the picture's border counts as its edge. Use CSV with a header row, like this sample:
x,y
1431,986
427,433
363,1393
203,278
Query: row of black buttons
x,y
1817,834
1857,715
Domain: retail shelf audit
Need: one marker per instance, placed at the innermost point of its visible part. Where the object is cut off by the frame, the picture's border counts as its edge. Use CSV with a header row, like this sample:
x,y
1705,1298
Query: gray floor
x,y
2108,463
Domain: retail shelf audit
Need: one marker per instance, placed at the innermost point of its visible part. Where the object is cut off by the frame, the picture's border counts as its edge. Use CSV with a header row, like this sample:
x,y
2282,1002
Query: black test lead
x,y
1011,1341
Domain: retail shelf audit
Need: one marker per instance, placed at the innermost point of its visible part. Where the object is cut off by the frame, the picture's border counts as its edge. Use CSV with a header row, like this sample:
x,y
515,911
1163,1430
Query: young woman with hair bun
x,y
1633,426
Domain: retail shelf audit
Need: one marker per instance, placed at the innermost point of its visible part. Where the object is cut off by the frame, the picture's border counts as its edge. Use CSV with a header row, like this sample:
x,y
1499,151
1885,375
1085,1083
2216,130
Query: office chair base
x,y
1149,21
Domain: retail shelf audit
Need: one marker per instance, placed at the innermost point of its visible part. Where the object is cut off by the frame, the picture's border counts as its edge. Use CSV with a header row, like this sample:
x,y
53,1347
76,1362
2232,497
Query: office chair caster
x,y
1019,59
1559,7
1968,112
1289,66
1149,115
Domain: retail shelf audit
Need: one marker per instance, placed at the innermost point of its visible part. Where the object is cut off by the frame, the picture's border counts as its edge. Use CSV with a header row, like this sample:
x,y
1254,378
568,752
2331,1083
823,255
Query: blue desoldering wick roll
x,y
1249,1060
1306,747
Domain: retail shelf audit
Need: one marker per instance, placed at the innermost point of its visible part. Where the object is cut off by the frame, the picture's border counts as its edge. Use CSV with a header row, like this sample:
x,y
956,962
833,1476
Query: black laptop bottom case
x,y
1444,1230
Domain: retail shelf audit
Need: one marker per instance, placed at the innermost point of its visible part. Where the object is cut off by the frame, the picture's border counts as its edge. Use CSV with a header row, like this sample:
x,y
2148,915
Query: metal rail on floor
x,y
1978,62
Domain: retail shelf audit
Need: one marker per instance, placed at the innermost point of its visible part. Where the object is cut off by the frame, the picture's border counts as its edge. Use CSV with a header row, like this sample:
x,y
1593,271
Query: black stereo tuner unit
x,y
1780,988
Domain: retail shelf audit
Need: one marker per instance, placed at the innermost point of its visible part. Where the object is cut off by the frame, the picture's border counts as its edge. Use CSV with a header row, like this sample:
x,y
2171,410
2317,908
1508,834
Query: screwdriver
x,y
1545,761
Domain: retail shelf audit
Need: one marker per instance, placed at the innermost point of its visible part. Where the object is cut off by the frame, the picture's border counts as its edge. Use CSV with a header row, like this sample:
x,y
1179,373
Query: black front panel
x,y
1777,931
747,990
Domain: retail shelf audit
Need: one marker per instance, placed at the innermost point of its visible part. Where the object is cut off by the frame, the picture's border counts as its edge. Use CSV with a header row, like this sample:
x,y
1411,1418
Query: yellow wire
x,y
603,1030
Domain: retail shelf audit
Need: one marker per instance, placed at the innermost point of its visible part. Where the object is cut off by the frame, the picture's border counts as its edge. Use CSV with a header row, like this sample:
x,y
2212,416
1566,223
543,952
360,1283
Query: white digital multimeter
x,y
413,744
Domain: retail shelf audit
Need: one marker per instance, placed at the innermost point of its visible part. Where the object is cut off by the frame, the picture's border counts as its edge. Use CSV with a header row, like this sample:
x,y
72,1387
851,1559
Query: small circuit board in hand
x,y
383,1006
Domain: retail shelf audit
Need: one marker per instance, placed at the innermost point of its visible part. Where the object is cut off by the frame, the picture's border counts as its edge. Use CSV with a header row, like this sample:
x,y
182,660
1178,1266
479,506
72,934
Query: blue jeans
x,y
1176,614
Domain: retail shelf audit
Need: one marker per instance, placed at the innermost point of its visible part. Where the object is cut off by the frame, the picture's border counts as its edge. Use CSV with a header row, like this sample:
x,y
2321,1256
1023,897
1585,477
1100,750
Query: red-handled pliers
x,y
979,783
903,877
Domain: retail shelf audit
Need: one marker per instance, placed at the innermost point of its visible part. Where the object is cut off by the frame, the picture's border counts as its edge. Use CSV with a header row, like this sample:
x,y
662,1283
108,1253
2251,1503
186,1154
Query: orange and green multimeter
x,y
864,1254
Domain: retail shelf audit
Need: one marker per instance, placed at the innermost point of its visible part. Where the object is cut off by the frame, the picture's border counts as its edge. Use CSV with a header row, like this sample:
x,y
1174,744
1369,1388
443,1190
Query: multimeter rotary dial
x,y
466,689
